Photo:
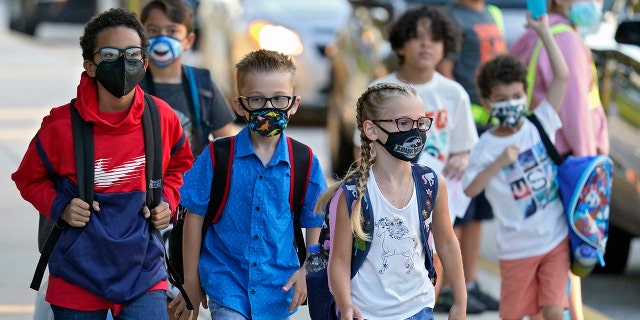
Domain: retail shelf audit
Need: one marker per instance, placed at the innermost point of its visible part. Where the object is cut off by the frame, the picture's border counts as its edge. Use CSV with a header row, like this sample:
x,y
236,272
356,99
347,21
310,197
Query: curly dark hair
x,y
503,69
178,11
111,18
442,29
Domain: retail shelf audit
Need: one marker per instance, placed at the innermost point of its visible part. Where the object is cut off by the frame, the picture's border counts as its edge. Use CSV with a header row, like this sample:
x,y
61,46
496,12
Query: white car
x,y
229,29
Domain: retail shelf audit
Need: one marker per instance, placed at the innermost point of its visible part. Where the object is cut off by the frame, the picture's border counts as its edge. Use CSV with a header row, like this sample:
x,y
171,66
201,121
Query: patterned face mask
x,y
509,112
268,122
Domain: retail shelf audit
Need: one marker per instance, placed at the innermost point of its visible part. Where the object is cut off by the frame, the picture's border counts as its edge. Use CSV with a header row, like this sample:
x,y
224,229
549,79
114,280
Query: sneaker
x,y
445,302
489,302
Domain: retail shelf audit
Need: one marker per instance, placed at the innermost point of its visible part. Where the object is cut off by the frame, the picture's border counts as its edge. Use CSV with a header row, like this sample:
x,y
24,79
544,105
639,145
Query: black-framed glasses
x,y
406,124
257,102
111,54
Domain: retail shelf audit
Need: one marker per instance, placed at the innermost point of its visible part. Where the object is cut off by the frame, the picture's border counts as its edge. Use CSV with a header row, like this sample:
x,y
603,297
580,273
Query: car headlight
x,y
276,38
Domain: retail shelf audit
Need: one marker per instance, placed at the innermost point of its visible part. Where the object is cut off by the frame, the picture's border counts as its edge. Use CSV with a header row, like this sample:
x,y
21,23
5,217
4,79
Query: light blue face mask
x,y
585,13
164,50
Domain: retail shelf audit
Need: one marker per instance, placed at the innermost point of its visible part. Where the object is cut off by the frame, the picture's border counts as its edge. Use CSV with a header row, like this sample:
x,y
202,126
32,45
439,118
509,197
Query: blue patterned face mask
x,y
509,112
585,13
164,50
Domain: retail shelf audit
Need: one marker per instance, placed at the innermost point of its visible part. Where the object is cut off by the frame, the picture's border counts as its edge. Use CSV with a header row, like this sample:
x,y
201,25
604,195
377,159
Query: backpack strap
x,y
153,172
189,79
360,248
426,181
83,148
551,149
222,161
300,160
152,145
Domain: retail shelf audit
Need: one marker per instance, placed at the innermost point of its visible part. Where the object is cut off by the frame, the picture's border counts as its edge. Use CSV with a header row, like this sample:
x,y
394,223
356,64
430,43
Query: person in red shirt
x,y
106,257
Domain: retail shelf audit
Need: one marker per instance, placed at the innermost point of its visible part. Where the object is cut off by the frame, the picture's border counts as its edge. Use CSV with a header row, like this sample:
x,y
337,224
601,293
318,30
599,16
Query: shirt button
x,y
253,291
255,264
255,237
260,177
257,208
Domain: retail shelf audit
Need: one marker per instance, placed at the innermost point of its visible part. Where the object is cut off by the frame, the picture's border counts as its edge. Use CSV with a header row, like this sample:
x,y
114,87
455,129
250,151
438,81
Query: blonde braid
x,y
368,106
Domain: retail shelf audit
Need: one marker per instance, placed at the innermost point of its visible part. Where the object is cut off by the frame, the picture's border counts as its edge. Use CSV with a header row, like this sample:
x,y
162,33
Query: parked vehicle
x,y
26,15
302,28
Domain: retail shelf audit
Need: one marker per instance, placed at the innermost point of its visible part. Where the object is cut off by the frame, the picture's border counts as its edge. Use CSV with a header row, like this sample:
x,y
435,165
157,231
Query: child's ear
x,y
237,107
370,130
296,104
90,68
189,40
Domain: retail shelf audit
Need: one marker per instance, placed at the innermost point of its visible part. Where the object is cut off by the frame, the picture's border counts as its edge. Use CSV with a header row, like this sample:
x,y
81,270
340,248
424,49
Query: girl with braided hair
x,y
392,282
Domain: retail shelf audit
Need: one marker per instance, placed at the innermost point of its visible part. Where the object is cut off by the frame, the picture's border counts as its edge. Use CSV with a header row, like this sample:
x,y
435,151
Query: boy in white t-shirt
x,y
511,165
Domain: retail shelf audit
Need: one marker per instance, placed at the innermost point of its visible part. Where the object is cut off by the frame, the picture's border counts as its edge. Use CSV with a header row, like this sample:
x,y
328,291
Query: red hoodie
x,y
47,174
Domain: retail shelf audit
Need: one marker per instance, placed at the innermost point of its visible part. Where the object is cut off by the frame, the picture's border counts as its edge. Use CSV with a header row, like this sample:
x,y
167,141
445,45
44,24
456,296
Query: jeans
x,y
219,312
424,314
151,305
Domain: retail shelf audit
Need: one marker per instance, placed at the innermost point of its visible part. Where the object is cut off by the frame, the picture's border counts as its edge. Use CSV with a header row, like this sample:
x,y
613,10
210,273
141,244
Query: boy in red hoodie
x,y
106,257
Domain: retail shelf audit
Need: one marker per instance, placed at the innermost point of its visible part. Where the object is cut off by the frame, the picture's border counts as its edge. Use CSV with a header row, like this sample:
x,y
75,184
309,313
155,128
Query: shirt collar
x,y
244,147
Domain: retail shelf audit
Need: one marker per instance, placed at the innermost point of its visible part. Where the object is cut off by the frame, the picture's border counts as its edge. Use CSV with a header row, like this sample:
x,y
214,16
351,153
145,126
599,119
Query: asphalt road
x,y
37,74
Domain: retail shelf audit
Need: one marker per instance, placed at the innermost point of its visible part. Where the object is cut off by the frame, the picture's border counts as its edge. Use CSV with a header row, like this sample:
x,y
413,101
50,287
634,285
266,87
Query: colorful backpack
x,y
585,190
319,298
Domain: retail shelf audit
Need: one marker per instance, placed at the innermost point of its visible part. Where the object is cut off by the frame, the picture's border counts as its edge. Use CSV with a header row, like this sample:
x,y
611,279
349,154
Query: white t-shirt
x,y
524,195
393,282
453,129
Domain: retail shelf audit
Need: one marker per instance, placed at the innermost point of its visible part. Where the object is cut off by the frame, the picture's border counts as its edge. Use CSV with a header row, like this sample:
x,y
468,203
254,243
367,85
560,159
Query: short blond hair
x,y
264,61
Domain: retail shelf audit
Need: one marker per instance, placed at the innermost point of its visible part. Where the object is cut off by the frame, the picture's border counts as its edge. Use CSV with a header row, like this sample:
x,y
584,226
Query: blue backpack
x,y
319,298
585,190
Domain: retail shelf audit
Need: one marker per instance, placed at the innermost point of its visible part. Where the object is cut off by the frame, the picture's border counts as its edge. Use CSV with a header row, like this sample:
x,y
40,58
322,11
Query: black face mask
x,y
404,146
121,76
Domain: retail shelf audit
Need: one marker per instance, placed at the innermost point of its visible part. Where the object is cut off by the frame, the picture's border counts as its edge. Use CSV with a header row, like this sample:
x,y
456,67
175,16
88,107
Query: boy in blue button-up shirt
x,y
247,264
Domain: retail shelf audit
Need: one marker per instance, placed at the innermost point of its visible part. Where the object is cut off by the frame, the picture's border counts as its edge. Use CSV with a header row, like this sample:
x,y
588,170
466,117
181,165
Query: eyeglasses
x,y
110,54
257,102
406,124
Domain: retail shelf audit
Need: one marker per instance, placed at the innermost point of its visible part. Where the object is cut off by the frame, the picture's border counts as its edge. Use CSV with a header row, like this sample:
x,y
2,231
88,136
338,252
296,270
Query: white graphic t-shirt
x,y
524,195
393,283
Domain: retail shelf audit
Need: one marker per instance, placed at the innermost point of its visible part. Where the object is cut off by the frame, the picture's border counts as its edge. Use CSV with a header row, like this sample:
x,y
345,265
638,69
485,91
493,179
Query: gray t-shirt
x,y
482,40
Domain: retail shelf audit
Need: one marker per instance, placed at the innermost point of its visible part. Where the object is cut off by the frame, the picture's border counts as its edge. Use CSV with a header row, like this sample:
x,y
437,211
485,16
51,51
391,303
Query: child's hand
x,y
160,215
178,306
457,312
540,24
351,313
456,165
509,155
77,212
299,283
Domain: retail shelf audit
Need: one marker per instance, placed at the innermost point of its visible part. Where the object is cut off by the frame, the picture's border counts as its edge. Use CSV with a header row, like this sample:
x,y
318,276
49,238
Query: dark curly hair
x,y
178,11
502,70
111,18
443,29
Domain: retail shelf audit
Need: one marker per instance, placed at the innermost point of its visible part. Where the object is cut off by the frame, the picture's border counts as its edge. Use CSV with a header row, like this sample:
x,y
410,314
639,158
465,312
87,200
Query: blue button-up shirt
x,y
248,255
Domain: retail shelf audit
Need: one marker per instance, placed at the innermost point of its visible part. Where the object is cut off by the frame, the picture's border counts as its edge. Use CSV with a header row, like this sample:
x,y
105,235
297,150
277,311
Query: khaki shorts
x,y
531,283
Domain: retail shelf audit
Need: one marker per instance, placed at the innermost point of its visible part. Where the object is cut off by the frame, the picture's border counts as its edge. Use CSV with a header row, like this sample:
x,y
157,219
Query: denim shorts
x,y
151,305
